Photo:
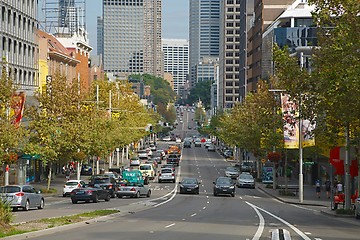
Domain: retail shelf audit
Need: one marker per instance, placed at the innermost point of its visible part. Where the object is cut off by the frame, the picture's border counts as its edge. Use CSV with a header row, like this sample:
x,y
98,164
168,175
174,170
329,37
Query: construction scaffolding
x,y
63,17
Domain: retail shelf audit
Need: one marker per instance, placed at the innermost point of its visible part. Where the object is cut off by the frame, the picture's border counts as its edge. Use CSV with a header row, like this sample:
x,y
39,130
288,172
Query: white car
x,y
178,140
167,138
71,185
166,174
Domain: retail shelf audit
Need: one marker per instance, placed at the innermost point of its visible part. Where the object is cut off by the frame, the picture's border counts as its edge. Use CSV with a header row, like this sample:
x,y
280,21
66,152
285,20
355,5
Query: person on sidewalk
x,y
327,187
339,188
318,188
67,174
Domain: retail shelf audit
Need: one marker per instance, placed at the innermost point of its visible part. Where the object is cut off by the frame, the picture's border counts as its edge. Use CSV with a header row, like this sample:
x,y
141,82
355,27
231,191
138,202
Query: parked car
x,y
22,196
246,166
211,148
228,154
71,185
224,186
135,190
189,185
105,182
245,180
166,175
231,172
86,169
357,208
88,194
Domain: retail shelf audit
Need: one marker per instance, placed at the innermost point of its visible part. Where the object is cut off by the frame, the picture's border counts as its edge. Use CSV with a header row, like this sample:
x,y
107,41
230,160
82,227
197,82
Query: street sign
x,y
263,160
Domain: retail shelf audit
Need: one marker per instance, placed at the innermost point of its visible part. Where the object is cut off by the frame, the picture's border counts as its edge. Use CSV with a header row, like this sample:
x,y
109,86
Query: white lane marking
x,y
207,202
199,176
183,219
193,215
317,239
240,197
252,196
173,192
204,207
300,233
204,190
307,233
304,208
260,229
170,225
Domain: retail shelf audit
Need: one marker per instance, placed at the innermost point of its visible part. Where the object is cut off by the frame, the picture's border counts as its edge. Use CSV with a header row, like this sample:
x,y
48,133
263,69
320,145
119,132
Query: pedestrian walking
x,y
339,188
318,188
67,174
327,187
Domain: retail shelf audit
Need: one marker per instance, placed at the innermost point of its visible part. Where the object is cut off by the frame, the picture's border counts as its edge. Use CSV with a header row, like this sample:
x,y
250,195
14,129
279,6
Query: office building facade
x,y
228,84
100,36
18,45
176,60
204,27
132,37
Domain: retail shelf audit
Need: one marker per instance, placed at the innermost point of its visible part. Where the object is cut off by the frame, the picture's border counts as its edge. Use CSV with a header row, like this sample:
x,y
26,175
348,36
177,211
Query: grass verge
x,y
8,230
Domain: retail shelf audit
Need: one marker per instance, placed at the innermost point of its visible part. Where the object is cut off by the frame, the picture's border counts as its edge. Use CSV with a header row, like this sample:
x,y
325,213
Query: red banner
x,y
339,163
17,107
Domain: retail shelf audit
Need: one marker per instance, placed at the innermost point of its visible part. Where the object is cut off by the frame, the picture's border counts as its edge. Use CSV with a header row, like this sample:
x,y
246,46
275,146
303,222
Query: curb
x,y
290,202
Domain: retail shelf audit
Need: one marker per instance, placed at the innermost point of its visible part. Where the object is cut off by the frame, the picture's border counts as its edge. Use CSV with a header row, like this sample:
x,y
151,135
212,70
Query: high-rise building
x,y
176,60
100,36
265,13
228,85
132,37
204,26
18,45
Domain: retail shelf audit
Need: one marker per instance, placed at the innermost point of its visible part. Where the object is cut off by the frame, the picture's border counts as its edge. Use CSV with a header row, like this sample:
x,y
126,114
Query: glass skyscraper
x,y
204,27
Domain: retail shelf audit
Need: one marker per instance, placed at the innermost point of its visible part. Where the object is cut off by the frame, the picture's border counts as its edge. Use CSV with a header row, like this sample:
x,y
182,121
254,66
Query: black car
x,y
189,185
88,194
224,186
187,144
106,182
86,169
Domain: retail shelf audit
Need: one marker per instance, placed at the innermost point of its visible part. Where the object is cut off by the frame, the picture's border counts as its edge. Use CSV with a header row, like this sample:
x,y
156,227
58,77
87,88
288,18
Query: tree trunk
x,y
49,177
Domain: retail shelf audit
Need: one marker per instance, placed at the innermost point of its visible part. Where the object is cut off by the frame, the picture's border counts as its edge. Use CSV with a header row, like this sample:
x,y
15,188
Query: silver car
x,y
231,172
22,196
166,174
245,180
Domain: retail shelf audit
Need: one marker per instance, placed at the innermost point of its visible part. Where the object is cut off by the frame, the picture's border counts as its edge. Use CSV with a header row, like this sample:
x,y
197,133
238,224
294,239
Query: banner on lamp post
x,y
290,117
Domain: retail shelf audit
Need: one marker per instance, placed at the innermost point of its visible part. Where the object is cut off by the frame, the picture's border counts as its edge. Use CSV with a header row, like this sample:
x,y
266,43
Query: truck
x,y
134,176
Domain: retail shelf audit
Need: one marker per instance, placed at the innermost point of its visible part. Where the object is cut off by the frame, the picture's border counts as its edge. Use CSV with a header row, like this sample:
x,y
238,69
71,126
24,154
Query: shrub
x,y
51,190
5,213
345,211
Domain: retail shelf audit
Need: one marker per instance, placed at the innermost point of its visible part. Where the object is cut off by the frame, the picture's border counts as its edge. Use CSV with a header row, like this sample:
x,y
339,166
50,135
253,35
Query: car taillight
x,y
159,174
89,192
79,185
110,186
133,189
19,194
172,174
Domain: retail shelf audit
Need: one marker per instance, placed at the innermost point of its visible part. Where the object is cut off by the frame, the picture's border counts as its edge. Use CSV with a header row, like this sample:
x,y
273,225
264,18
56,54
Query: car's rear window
x,y
145,167
71,183
10,189
100,180
166,171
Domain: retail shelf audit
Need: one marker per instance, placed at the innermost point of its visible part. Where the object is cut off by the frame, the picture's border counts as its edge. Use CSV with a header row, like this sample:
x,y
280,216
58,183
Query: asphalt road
x,y
251,214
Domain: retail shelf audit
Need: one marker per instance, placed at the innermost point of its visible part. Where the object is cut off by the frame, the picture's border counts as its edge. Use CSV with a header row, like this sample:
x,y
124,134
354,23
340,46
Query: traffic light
x,y
151,128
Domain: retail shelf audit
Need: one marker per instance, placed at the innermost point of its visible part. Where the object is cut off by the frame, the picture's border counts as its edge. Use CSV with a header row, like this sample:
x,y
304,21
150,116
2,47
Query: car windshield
x,y
189,181
71,183
145,167
223,181
246,176
231,169
10,189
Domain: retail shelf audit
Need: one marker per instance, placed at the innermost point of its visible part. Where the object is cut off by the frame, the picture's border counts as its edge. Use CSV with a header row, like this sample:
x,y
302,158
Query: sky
x,y
175,19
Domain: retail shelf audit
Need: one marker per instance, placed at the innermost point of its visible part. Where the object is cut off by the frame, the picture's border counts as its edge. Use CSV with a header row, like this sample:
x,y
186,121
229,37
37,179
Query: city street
x,y
251,214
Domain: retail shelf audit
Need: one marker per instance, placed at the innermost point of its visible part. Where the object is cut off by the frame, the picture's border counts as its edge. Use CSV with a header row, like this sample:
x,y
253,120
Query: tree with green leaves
x,y
336,76
12,136
201,91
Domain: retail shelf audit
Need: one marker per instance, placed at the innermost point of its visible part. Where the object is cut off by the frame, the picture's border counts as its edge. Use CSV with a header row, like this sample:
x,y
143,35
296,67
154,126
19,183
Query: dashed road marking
x,y
307,233
193,215
170,225
204,207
